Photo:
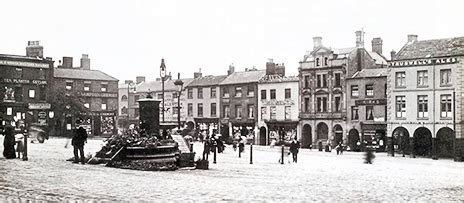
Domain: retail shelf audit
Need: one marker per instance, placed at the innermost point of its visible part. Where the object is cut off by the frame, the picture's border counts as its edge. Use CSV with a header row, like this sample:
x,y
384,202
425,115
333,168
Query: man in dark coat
x,y
294,147
9,143
206,148
78,141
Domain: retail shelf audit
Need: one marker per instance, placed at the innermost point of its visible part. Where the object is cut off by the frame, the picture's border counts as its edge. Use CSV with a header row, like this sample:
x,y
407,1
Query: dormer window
x,y
317,62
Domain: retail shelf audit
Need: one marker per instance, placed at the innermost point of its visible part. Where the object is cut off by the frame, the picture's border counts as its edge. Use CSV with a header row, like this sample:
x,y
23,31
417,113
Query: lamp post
x,y
179,85
163,76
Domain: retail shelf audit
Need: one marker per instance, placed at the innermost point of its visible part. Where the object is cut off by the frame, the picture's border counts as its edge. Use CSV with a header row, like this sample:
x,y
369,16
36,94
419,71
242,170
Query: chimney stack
x,y
128,82
197,74
392,54
377,45
139,79
85,62
34,49
231,69
412,38
317,42
359,39
67,62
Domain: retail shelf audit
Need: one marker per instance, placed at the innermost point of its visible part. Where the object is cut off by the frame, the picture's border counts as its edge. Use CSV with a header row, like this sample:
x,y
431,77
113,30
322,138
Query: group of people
x,y
78,141
210,144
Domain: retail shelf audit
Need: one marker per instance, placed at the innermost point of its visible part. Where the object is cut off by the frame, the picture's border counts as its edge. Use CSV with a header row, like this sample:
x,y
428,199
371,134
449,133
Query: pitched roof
x,y
208,80
75,73
432,48
378,58
278,79
370,72
156,86
244,77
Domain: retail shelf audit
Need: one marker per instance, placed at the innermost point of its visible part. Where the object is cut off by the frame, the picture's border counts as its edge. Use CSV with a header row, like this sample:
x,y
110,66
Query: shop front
x,y
98,123
281,130
374,135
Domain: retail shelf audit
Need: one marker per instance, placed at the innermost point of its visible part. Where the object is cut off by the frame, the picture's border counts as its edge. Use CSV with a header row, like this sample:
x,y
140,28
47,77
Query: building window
x,y
317,62
226,111
338,80
42,93
318,81
324,80
263,94
354,91
400,107
104,104
238,111
273,112
369,90
18,73
369,112
238,91
200,110
288,93
87,86
337,103
445,107
9,111
160,96
200,93
251,111
213,92
354,113
213,110
322,104
87,105
288,112
174,95
190,93
251,91
422,106
422,78
445,77
400,79
69,85
273,94
306,104
31,93
326,61
104,87
225,92
263,112
306,81
190,109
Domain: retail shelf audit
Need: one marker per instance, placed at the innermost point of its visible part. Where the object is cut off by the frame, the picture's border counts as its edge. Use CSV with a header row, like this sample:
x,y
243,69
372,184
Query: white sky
x,y
129,38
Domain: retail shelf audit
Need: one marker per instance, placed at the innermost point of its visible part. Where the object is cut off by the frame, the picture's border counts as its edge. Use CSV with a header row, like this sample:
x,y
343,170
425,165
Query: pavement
x,y
318,176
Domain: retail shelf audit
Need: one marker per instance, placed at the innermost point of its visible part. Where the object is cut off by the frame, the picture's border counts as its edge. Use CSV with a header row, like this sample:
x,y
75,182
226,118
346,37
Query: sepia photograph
x,y
232,101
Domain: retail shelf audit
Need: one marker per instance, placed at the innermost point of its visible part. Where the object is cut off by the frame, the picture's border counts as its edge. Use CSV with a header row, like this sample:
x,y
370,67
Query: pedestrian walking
x,y
294,148
241,145
206,148
340,146
78,141
9,143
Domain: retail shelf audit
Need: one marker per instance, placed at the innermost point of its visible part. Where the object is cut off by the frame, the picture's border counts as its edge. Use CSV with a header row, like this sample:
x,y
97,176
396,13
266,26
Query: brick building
x,y
425,98
239,101
98,92
203,102
323,89
278,105
25,83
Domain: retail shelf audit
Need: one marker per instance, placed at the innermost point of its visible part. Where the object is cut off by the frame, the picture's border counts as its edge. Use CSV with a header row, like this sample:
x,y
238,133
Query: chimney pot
x,y
359,39
392,54
412,38
377,45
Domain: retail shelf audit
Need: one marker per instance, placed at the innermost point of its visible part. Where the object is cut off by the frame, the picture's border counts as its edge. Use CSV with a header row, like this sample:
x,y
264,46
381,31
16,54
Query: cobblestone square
x,y
318,176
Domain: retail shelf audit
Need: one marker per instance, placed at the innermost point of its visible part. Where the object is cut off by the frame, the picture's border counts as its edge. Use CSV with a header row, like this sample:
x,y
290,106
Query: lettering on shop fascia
x,y
98,114
424,62
97,94
370,102
420,123
39,106
278,103
24,81
24,64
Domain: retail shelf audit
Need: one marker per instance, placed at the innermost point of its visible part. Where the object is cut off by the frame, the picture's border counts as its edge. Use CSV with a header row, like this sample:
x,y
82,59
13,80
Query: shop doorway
x,y
445,143
307,136
422,142
353,140
262,136
401,140
338,131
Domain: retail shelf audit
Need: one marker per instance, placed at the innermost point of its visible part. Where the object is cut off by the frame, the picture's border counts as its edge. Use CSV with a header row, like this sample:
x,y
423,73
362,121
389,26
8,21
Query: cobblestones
x,y
317,176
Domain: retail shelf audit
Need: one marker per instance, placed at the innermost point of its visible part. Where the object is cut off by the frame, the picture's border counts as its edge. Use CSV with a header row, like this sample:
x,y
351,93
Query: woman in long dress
x,y
9,143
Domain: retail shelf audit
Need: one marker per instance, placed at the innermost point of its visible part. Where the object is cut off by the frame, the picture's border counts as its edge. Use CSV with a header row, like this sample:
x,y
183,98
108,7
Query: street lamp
x,y
179,85
163,76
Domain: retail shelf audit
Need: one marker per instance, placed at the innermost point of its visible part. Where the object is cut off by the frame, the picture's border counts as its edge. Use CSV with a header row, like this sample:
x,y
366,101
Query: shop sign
x,y
24,64
97,94
278,103
99,114
422,62
370,102
24,81
39,106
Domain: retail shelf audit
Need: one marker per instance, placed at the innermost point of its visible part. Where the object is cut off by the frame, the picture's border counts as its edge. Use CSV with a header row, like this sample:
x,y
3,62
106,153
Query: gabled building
x,y
323,73
425,88
97,91
203,102
239,101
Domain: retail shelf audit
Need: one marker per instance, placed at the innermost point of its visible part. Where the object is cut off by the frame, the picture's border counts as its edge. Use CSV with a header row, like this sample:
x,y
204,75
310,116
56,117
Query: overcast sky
x,y
128,38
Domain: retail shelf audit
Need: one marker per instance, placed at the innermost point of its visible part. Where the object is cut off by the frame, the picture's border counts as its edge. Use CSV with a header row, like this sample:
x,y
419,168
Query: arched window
x,y
124,97
317,62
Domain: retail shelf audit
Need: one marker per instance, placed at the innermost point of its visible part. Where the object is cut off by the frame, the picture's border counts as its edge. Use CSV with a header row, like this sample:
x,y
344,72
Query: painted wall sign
x,y
423,62
24,81
24,64
97,94
278,102
39,106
